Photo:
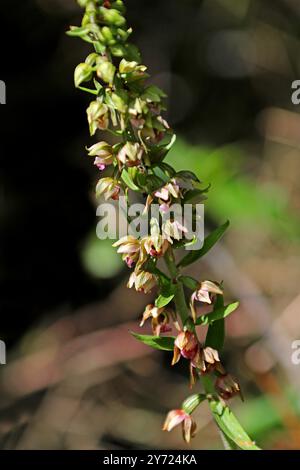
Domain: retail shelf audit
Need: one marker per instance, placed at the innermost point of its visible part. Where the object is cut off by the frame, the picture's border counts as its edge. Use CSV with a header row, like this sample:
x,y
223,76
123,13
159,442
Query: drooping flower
x,y
103,153
130,248
173,230
227,387
201,359
206,360
155,244
143,281
205,293
160,318
174,189
168,191
185,345
109,188
131,71
176,417
131,154
98,118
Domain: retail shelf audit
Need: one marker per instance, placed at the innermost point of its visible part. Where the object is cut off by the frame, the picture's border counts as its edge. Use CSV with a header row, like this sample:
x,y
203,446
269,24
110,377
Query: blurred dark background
x,y
227,67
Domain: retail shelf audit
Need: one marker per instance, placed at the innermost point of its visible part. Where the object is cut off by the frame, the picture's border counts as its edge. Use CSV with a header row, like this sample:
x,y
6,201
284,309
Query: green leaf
x,y
153,94
216,331
165,343
158,152
167,288
78,31
161,174
209,242
188,175
172,142
195,195
230,426
189,282
217,314
167,169
83,73
88,90
128,181
120,101
162,300
153,183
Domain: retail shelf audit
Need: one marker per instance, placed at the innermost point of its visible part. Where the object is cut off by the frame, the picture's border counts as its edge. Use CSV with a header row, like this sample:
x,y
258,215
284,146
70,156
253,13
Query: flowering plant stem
x,y
131,112
207,382
179,297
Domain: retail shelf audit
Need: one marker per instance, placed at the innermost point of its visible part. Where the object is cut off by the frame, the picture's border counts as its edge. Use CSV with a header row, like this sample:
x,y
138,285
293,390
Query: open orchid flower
x,y
109,188
160,319
227,387
103,153
155,245
205,293
142,282
177,417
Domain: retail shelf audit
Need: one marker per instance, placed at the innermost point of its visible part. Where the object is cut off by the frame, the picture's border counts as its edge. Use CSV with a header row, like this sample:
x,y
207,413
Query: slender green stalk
x,y
179,297
128,108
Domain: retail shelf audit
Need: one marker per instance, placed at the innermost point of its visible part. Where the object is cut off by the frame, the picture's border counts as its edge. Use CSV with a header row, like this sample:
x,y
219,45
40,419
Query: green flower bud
x,y
106,71
191,403
90,7
153,94
97,114
112,16
138,107
83,3
108,187
119,5
108,36
91,59
119,102
101,149
127,67
85,20
83,73
118,50
123,35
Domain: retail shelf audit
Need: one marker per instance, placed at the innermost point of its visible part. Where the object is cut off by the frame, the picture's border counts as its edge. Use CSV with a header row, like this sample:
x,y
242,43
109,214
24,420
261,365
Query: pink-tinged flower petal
x,y
188,429
203,296
163,194
100,166
174,418
189,353
130,262
181,340
164,208
165,328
